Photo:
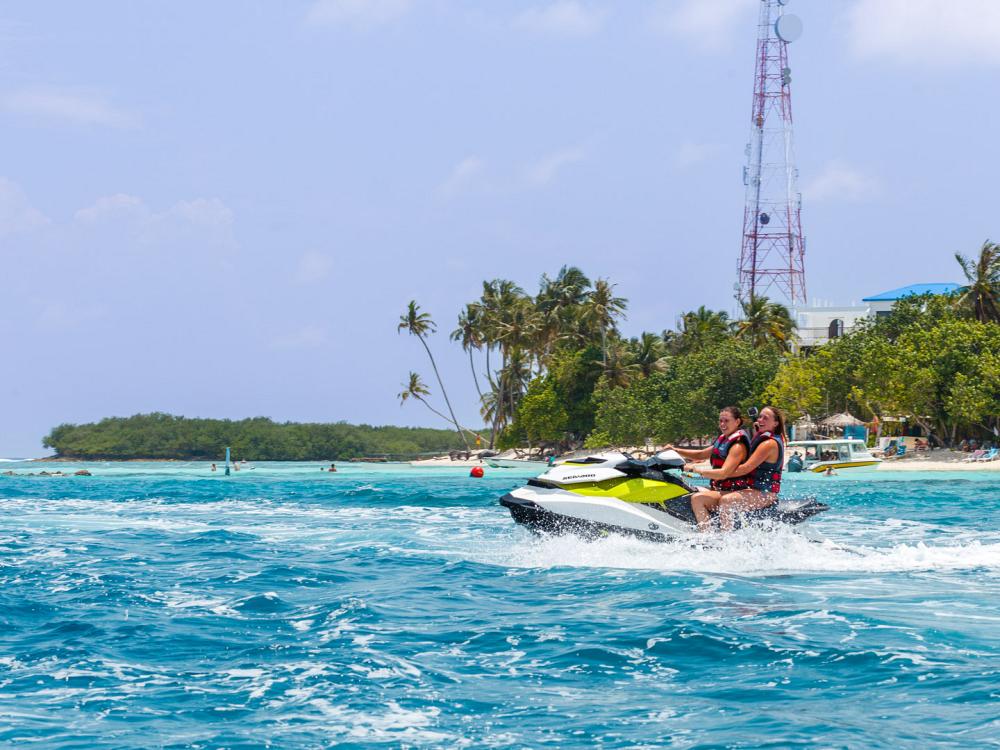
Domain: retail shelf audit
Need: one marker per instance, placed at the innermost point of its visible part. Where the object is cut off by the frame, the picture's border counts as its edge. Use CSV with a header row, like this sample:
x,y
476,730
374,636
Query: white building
x,y
817,325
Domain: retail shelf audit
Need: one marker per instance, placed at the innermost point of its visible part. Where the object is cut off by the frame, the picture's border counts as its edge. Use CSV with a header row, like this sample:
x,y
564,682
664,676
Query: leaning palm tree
x,y
765,323
982,295
601,310
414,388
420,324
470,334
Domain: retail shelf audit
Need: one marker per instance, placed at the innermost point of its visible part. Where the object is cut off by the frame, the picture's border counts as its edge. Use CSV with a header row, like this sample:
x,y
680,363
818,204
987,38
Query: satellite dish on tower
x,y
788,27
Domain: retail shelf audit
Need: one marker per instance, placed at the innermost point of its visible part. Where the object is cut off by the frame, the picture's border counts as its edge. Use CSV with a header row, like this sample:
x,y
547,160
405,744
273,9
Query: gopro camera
x,y
752,412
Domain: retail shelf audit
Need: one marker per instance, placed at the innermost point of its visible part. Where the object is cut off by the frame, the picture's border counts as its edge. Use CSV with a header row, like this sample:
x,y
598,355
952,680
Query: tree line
x,y
160,436
554,369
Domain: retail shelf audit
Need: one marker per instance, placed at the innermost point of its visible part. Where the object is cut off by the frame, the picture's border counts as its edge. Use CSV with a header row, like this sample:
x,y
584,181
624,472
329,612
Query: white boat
x,y
819,455
515,463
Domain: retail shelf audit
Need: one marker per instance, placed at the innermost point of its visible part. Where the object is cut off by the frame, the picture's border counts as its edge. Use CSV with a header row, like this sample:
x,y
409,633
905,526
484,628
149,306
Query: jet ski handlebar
x,y
662,461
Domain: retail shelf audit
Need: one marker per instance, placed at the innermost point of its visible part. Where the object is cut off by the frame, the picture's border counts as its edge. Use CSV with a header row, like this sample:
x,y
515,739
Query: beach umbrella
x,y
841,420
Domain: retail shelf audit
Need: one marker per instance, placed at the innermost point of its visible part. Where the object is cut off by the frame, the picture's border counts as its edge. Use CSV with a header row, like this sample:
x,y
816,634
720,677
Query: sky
x,y
221,209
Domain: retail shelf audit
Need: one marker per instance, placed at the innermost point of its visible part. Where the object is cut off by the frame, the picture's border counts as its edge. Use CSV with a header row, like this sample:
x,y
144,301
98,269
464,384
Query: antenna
x,y
773,248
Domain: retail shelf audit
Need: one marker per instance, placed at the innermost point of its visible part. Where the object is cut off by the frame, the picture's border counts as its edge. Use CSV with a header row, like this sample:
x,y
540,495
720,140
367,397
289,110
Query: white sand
x,y
926,464
445,461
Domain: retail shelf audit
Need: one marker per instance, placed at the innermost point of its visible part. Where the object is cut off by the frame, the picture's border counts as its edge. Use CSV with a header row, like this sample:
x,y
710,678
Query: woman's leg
x,y
740,502
703,502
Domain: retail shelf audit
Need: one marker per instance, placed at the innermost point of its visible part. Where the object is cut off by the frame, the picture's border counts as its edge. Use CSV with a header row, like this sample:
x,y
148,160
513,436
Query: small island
x,y
160,436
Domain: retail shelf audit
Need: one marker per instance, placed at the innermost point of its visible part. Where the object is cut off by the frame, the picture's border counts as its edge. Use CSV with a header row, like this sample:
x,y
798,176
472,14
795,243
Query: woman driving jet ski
x,y
730,449
761,471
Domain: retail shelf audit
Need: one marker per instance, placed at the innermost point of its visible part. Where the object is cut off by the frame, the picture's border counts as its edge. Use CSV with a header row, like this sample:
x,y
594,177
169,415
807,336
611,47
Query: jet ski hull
x,y
557,511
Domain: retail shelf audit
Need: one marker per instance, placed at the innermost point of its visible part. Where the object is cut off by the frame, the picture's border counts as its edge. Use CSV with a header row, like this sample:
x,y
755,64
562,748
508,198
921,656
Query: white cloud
x,y
926,32
111,206
85,108
840,181
562,18
690,154
201,219
313,266
308,337
16,212
205,212
463,174
357,13
545,170
706,24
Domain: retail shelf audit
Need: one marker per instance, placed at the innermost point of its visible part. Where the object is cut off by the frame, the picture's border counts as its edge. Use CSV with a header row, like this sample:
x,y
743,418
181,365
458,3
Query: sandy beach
x,y
922,464
940,460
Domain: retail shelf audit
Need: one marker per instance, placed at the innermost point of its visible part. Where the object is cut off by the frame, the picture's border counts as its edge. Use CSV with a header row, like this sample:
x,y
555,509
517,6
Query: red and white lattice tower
x,y
772,257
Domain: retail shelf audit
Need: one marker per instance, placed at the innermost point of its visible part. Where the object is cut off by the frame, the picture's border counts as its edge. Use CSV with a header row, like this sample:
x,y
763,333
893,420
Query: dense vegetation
x,y
258,439
553,368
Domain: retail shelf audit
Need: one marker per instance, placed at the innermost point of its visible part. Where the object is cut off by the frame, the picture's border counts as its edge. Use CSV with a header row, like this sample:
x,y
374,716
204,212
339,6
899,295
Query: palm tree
x,y
601,309
420,324
560,300
470,333
982,295
699,327
414,388
649,353
765,323
498,297
619,368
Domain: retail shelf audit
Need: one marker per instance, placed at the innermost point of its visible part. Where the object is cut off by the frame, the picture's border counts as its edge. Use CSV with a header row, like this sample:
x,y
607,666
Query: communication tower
x,y
772,255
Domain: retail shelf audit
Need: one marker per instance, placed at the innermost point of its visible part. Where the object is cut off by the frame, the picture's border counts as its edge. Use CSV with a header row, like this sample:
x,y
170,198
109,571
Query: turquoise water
x,y
159,605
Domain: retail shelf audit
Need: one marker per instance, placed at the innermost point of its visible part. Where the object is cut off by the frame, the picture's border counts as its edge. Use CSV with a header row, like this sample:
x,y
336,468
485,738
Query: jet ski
x,y
613,493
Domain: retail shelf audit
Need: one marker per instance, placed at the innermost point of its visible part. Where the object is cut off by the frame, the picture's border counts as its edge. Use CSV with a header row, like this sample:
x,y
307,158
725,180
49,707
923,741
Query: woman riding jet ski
x,y
612,492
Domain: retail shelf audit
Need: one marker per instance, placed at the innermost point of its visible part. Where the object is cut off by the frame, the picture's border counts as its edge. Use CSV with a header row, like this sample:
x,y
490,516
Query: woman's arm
x,y
766,451
733,459
690,454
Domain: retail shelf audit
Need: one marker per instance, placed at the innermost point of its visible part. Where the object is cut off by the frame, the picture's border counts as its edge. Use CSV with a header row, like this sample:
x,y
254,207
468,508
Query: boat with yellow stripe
x,y
819,455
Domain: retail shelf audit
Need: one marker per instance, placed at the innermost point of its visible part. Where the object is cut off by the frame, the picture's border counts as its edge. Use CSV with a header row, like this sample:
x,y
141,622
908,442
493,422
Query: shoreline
x,y
909,464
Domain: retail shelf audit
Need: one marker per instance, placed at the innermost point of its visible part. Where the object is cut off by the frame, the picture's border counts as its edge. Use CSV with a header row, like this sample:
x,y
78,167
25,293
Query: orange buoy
x,y
477,472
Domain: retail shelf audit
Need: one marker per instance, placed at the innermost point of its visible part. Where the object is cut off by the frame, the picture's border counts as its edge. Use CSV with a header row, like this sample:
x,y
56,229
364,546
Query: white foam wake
x,y
746,552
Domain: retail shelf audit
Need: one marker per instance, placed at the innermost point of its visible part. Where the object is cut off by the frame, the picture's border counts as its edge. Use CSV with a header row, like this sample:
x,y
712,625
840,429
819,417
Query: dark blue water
x,y
163,606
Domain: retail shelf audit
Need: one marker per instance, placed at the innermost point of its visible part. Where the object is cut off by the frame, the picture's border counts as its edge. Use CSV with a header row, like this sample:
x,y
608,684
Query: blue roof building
x,y
913,289
816,326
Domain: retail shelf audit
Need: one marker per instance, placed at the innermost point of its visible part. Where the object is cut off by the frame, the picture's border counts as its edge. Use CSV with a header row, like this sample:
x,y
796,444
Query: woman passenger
x,y
726,453
763,470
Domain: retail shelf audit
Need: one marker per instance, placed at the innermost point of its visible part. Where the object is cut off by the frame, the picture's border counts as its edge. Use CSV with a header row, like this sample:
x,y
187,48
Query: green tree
x,y
649,353
601,311
699,329
765,323
796,387
982,295
470,334
542,415
420,324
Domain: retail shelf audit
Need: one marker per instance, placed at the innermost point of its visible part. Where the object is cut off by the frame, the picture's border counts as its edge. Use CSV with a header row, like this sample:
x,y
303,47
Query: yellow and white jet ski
x,y
612,492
